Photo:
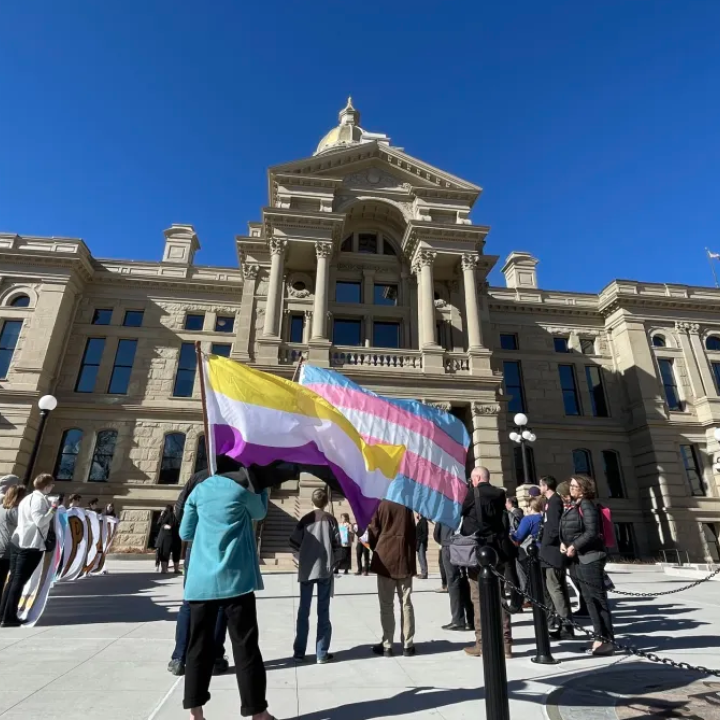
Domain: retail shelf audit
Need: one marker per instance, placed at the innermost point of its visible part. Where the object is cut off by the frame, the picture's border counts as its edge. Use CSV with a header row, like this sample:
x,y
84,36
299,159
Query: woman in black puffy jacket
x,y
582,543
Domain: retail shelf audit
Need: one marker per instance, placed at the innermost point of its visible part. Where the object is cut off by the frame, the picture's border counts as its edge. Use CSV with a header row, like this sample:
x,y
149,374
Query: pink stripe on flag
x,y
354,400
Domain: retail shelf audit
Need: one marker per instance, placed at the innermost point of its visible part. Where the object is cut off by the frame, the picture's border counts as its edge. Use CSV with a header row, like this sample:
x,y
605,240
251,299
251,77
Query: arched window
x,y
582,463
369,242
712,342
201,462
20,301
658,341
172,458
519,470
102,456
67,454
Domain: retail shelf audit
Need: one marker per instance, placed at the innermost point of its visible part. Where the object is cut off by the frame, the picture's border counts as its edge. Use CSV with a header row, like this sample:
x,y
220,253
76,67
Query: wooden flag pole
x,y
296,374
212,467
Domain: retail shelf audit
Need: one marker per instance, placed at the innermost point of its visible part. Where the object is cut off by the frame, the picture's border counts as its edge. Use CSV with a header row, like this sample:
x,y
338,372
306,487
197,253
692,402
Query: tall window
x,y
348,292
509,341
90,365
561,344
102,456
518,461
569,390
8,342
613,473
512,378
201,462
386,334
185,376
716,373
593,373
67,454
667,375
172,457
296,328
347,332
102,316
221,349
625,539
194,321
693,471
225,323
587,346
582,463
134,318
124,359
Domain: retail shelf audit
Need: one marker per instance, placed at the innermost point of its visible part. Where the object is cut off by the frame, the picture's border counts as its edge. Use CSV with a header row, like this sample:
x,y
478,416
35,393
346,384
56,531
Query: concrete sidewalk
x,y
102,649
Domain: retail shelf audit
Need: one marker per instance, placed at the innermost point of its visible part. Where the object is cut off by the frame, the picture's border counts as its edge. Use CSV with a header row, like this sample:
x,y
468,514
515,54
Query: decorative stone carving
x,y
250,272
440,304
469,261
277,246
259,319
298,286
480,408
375,178
425,258
444,406
323,249
688,327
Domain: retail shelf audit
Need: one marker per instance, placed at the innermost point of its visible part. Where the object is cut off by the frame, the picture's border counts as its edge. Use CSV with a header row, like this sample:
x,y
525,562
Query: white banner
x,y
83,540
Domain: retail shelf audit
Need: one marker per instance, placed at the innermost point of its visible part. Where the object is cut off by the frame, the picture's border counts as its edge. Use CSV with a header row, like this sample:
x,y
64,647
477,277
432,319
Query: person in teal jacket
x,y
223,577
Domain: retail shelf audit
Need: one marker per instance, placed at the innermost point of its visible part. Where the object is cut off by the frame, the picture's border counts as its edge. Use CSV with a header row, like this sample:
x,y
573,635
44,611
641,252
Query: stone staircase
x,y
288,503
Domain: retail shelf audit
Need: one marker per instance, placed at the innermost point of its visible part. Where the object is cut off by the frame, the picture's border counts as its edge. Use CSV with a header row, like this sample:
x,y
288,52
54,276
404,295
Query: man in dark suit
x,y
484,514
556,591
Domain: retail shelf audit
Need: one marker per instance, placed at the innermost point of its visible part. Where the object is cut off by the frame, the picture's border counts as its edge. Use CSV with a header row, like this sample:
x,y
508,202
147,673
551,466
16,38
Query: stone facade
x,y
365,260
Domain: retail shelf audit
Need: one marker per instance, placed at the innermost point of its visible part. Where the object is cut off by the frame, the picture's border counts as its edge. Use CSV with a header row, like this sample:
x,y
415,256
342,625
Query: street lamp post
x,y
47,404
522,435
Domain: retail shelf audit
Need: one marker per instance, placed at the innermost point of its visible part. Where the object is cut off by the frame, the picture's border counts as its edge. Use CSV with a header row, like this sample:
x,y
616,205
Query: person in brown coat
x,y
393,539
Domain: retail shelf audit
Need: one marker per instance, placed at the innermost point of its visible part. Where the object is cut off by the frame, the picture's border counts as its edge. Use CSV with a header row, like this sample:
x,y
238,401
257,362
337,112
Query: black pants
x,y
443,574
4,570
363,555
23,564
249,669
461,607
591,583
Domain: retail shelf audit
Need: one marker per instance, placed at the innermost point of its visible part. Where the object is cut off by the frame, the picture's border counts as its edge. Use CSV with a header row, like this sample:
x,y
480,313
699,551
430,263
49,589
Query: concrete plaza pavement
x,y
101,651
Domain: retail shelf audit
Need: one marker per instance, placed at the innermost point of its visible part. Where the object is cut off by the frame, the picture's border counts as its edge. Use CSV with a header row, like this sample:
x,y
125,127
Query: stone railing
x,y
457,363
379,358
290,353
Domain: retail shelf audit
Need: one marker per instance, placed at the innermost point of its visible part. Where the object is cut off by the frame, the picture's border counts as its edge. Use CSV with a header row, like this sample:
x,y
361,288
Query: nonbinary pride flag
x,y
258,418
431,476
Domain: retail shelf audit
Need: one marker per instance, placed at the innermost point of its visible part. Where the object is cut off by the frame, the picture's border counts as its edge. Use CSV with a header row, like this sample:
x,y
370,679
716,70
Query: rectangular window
x,y
296,328
134,318
509,341
613,474
90,365
625,539
102,316
693,471
221,349
561,344
102,456
716,373
587,346
225,323
348,292
667,375
593,373
194,321
386,335
569,389
386,295
185,376
8,342
711,540
347,332
367,243
124,359
514,386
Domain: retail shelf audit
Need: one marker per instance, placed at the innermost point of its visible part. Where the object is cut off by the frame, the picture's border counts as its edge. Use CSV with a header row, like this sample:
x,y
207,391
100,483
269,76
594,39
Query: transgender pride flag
x,y
431,477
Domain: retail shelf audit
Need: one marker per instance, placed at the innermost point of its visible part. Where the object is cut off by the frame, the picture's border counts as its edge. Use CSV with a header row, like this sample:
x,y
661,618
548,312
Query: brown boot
x,y
474,650
508,650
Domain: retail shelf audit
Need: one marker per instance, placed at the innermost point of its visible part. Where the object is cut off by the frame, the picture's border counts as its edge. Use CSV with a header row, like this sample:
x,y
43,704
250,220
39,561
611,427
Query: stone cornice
x,y
637,296
278,217
423,230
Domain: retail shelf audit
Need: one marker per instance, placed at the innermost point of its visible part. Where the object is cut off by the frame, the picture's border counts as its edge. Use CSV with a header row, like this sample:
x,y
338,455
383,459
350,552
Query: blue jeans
x,y
182,634
324,626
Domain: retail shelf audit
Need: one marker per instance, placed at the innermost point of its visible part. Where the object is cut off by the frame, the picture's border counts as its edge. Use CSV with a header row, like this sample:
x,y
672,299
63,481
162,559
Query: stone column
x,y
426,299
307,326
323,250
272,305
706,372
472,311
241,349
486,438
696,384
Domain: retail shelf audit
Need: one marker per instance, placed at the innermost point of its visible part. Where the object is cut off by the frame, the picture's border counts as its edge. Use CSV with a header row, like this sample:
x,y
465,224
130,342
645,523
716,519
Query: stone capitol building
x,y
364,260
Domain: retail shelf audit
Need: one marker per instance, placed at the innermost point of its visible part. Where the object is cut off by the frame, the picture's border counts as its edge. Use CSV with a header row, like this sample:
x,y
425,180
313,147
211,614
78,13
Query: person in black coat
x,y
554,565
581,541
423,534
167,544
462,613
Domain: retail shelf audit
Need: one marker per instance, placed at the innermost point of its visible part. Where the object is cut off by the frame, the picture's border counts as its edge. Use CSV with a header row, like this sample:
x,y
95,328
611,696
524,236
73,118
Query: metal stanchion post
x,y
496,689
537,589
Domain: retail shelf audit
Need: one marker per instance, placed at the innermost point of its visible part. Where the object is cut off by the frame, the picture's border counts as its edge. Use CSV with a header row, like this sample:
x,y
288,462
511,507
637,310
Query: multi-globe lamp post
x,y
522,435
47,404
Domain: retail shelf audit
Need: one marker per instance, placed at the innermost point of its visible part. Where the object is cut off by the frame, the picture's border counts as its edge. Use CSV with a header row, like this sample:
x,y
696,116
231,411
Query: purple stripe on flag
x,y
229,441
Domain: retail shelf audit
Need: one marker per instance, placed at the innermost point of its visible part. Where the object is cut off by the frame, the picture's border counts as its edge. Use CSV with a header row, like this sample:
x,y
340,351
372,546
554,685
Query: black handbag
x,y
50,539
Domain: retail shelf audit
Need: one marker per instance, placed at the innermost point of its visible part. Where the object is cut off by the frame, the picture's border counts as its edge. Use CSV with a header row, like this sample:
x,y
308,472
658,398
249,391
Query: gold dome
x,y
348,132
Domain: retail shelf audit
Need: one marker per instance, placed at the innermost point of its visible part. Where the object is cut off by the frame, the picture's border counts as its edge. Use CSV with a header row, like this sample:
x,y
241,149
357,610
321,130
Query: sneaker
x,y
324,660
469,627
474,651
453,626
441,590
220,666
409,651
382,650
176,668
563,634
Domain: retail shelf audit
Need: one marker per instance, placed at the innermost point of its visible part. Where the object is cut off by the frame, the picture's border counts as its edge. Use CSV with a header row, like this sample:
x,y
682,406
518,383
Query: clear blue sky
x,y
593,127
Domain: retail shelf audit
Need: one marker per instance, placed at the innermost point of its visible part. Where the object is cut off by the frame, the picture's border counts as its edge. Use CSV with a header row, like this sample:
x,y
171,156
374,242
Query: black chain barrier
x,y
627,593
652,657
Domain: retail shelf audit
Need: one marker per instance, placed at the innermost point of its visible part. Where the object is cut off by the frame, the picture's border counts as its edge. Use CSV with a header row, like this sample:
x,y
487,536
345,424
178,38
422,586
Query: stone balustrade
x,y
372,357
